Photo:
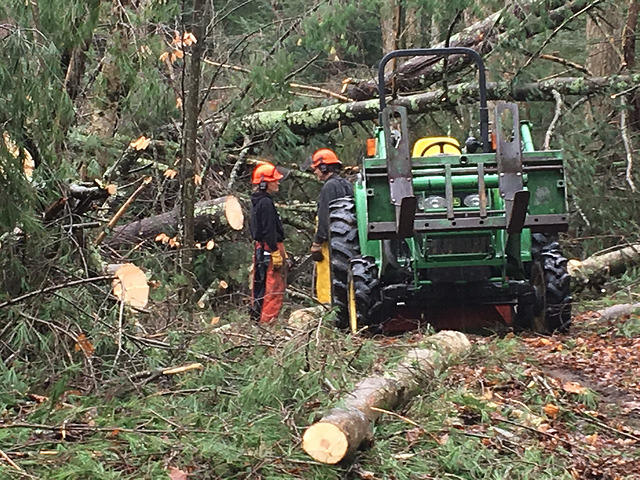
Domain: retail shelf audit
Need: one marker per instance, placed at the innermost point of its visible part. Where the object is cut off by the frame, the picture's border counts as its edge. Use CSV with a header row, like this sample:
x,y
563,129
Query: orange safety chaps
x,y
268,285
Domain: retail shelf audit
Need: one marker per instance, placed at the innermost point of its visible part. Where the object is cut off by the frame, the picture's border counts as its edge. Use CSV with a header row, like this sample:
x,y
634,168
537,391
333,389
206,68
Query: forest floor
x,y
518,406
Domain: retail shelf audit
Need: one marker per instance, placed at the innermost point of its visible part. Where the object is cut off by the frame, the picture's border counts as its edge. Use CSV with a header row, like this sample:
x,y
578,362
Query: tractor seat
x,y
430,146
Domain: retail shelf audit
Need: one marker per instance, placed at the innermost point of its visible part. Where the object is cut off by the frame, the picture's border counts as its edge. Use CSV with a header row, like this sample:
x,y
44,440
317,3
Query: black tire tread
x,y
343,246
368,299
557,282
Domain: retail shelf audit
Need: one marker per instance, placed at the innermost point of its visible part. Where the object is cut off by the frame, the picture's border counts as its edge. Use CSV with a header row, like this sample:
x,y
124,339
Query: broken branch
x,y
125,206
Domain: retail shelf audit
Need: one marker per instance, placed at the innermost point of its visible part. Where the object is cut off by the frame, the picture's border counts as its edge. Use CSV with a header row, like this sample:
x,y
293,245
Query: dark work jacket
x,y
265,223
334,187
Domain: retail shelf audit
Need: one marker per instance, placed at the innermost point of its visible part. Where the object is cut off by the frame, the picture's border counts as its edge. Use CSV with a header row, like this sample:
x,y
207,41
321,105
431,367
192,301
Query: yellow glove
x,y
276,259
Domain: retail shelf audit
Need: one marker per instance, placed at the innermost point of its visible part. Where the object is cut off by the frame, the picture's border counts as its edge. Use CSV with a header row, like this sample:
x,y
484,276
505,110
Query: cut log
x,y
595,270
213,217
343,429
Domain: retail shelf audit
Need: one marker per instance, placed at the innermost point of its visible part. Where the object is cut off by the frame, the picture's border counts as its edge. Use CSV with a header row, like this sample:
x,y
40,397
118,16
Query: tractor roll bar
x,y
445,52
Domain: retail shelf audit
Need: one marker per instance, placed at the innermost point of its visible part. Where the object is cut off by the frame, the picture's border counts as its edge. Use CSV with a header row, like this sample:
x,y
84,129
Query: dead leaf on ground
x,y
592,439
38,398
574,387
176,474
551,410
414,434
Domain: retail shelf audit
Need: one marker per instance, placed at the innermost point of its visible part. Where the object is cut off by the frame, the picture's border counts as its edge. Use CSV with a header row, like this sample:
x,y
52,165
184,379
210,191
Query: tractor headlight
x,y
434,201
472,200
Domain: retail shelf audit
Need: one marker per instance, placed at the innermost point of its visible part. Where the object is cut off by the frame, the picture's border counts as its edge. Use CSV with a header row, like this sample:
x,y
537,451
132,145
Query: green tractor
x,y
457,239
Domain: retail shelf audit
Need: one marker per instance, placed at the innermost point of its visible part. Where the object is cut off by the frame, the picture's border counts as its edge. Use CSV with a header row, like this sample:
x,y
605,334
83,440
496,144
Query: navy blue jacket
x,y
334,187
265,223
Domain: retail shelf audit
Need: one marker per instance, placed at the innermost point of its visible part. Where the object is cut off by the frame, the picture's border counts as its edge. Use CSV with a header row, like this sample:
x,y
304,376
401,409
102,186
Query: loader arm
x,y
394,121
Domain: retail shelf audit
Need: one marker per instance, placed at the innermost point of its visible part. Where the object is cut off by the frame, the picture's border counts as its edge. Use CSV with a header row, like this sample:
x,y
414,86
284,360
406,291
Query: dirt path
x,y
594,373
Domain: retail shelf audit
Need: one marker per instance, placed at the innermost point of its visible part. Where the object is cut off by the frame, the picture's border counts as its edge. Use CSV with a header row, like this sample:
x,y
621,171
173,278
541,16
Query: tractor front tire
x,y
551,283
343,246
364,299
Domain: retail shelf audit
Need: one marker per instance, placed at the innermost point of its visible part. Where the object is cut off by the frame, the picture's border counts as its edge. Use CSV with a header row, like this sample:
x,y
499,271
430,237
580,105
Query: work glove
x,y
276,259
316,252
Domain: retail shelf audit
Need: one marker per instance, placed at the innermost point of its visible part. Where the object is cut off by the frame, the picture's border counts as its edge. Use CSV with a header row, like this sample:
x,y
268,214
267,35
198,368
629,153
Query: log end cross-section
x,y
233,212
325,442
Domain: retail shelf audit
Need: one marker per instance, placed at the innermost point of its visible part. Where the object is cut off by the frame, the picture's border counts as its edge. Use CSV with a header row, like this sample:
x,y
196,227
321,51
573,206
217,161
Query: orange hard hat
x,y
266,172
324,156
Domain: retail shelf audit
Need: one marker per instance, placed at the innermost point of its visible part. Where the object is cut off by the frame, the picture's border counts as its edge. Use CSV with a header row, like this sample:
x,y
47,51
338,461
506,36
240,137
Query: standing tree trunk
x,y
629,54
188,167
390,24
604,56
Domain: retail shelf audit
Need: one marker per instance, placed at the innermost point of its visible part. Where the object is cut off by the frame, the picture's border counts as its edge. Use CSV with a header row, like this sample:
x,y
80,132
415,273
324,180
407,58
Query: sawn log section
x,y
212,217
341,431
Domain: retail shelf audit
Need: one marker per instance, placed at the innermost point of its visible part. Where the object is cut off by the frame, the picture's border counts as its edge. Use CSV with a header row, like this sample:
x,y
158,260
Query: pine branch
x,y
53,288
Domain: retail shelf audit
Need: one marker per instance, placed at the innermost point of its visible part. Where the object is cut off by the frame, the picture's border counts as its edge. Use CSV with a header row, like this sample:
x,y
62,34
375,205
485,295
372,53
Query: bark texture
x,y
213,217
324,119
342,430
188,166
595,270
604,52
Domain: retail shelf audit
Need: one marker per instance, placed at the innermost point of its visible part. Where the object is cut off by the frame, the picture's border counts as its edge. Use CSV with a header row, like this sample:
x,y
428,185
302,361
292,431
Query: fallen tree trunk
x,y
342,430
211,218
483,36
324,119
595,270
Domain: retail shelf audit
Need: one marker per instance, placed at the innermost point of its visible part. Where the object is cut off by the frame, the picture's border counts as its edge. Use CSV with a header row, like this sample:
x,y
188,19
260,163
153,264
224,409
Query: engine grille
x,y
459,244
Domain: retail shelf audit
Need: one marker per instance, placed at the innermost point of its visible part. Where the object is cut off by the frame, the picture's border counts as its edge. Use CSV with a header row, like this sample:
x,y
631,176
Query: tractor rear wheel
x,y
364,300
551,309
343,246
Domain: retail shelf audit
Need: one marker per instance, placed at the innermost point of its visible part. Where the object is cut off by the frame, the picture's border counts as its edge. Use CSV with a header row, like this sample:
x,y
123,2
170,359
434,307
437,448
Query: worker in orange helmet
x,y
269,271
326,167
